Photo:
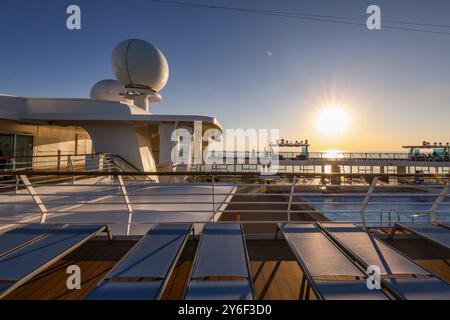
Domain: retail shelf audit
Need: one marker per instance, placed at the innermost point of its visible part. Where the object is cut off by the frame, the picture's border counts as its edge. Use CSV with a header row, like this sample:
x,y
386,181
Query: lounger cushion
x,y
348,290
29,258
4,286
219,290
114,290
421,289
222,252
373,251
22,235
317,253
154,255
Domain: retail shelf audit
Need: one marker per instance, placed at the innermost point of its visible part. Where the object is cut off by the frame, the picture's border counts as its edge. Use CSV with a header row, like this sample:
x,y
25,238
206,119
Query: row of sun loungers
x,y
322,262
220,271
36,248
368,250
333,257
345,250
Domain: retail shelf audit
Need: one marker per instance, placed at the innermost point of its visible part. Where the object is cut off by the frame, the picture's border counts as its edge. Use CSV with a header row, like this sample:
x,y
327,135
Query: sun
x,y
332,121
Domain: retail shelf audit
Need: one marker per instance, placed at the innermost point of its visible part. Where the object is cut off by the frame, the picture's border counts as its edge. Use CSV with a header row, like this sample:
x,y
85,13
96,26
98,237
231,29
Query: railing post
x,y
291,196
213,198
362,212
58,160
439,199
35,197
69,158
13,162
123,189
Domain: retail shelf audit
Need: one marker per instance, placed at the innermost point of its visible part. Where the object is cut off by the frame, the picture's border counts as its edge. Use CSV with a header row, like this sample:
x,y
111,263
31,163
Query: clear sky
x,y
248,70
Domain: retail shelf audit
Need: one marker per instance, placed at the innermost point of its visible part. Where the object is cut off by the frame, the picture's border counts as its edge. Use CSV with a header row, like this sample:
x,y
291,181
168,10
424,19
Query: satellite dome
x,y
108,89
139,64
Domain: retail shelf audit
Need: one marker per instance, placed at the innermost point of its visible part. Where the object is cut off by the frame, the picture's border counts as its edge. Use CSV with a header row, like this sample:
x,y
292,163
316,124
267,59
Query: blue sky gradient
x,y
250,71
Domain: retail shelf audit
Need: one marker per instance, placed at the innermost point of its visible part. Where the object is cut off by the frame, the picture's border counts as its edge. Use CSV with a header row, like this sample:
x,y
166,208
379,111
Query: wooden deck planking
x,y
276,273
275,270
256,204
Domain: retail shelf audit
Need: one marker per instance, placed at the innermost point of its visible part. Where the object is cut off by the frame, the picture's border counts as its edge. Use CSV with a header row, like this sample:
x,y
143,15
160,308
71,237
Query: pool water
x,y
380,208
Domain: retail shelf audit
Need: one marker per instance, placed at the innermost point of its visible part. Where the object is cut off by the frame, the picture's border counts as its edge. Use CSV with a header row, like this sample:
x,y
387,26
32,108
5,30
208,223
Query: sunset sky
x,y
389,87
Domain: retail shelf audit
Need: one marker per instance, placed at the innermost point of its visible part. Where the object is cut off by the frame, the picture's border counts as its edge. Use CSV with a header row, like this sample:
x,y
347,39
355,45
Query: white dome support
x,y
141,101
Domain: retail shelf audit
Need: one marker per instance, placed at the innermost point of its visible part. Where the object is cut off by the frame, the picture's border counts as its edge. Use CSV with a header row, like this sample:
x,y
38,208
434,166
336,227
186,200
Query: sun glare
x,y
332,121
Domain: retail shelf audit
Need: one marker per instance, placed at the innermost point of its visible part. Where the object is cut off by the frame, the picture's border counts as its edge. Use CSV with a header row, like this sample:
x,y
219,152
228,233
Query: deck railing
x,y
287,199
59,162
335,156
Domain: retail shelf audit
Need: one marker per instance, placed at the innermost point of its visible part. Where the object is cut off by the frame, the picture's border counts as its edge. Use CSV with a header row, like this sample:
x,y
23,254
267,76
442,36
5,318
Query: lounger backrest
x,y
221,252
24,261
154,254
18,237
420,289
372,251
432,232
317,253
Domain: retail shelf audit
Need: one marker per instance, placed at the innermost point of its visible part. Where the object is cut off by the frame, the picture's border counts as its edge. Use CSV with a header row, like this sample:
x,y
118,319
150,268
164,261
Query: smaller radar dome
x,y
139,64
108,89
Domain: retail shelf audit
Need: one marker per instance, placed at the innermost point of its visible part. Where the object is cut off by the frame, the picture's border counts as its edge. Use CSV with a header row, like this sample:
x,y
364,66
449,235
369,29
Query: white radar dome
x,y
108,89
139,64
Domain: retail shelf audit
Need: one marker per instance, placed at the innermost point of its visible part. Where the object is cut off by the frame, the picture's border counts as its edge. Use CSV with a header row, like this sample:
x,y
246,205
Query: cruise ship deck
x,y
265,238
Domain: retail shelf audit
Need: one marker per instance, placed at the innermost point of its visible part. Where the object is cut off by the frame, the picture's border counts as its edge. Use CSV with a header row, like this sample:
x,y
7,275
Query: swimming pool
x,y
395,207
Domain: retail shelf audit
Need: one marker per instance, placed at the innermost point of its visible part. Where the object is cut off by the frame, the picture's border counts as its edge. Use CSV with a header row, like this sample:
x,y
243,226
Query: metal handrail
x,y
388,156
132,190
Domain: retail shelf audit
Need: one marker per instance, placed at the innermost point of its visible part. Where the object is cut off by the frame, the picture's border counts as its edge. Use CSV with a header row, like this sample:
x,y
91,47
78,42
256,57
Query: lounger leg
x,y
108,232
302,288
392,234
308,290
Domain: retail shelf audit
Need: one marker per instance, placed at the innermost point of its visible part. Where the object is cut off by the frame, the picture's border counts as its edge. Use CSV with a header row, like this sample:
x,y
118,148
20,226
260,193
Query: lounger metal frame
x,y
197,255
44,266
138,243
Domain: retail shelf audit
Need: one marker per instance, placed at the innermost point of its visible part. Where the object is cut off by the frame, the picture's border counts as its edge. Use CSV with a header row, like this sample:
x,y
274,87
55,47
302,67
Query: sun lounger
x,y
22,264
222,255
428,231
143,273
444,224
18,237
369,250
420,289
320,258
